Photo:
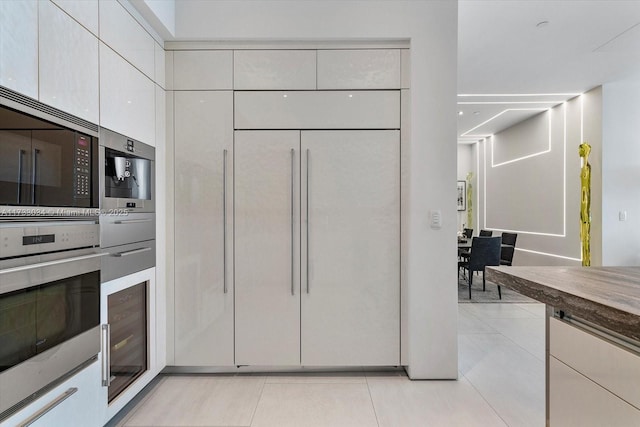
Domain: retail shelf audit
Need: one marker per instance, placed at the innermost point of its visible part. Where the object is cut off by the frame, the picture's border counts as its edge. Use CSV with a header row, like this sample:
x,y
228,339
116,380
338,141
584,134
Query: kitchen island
x,y
592,340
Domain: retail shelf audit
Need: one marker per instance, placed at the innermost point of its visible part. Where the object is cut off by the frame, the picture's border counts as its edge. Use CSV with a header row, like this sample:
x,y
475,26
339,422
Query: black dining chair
x,y
508,248
484,251
467,232
486,233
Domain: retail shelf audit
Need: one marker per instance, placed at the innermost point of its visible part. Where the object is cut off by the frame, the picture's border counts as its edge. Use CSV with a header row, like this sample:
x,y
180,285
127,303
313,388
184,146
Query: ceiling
x,y
519,57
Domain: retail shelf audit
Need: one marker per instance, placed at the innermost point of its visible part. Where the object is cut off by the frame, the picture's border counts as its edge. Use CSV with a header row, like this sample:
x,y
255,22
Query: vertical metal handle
x,y
21,154
293,156
307,201
34,175
224,220
106,355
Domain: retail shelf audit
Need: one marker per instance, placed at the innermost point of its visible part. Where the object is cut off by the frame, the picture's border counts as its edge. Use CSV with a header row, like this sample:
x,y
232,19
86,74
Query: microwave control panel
x,y
82,168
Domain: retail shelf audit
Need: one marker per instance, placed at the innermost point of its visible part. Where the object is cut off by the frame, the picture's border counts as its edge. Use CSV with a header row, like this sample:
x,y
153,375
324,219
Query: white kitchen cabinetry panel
x,y
79,403
350,248
405,68
267,219
160,61
204,290
317,110
611,366
359,69
274,69
203,70
574,400
127,98
122,33
68,64
19,46
83,11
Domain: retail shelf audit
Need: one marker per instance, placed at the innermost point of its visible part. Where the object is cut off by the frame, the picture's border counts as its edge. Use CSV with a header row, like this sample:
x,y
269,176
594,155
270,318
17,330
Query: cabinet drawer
x,y
74,402
317,110
274,69
576,401
203,70
613,367
359,69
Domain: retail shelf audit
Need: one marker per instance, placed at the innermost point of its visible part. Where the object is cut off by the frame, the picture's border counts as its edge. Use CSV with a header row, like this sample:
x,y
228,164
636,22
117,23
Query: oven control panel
x,y
82,168
20,239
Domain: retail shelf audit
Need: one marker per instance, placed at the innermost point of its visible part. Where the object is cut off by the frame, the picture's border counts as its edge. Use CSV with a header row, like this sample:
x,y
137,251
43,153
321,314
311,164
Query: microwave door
x,y
52,168
15,167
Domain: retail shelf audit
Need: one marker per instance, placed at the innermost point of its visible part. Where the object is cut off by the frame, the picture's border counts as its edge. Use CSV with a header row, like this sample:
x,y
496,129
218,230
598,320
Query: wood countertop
x,y
607,296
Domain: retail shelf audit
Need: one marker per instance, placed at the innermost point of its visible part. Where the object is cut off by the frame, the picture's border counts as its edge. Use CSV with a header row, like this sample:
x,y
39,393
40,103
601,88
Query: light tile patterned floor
x,y
501,383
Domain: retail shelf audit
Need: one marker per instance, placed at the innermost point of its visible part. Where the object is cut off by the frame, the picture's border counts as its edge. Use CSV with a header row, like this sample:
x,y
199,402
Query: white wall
x,y
621,173
432,30
530,182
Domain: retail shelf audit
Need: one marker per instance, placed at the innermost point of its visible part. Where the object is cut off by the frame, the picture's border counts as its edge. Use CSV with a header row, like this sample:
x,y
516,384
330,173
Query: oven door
x,y
49,320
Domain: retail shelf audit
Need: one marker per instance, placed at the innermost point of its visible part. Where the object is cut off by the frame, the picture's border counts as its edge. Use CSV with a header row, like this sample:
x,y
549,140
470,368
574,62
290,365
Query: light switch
x,y
622,215
436,219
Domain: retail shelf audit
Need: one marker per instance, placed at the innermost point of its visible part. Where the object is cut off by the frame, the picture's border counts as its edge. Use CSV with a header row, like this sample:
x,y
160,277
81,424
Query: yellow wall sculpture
x,y
585,203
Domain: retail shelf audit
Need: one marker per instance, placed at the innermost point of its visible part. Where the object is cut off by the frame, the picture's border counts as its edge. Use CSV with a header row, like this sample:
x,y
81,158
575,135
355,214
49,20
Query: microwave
x,y
127,175
43,164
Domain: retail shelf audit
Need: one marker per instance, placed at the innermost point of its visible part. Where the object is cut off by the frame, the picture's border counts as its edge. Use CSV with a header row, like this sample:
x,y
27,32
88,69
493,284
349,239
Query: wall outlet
x,y
622,215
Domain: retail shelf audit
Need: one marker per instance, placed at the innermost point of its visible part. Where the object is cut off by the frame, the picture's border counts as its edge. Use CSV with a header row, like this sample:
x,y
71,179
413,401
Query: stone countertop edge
x,y
622,317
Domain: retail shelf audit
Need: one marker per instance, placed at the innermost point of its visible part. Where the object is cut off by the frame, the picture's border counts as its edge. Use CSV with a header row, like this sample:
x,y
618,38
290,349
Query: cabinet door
x,y
350,248
203,229
267,218
19,46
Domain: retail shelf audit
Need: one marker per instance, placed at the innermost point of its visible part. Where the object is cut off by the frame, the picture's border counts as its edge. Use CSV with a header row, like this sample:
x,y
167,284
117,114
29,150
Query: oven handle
x,y
50,263
42,412
132,221
132,252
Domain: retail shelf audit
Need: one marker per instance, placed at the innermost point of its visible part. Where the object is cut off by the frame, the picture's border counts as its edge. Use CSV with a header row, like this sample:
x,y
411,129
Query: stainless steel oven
x,y
127,180
49,305
45,165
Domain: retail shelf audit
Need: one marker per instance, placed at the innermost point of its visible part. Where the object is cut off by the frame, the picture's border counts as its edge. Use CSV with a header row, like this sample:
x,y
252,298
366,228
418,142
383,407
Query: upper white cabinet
x,y
160,61
19,46
317,110
359,69
127,98
274,69
405,69
122,33
203,70
83,11
68,64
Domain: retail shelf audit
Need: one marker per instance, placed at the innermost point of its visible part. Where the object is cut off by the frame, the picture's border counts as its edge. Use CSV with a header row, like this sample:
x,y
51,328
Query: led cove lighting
x,y
499,114
550,255
517,94
507,102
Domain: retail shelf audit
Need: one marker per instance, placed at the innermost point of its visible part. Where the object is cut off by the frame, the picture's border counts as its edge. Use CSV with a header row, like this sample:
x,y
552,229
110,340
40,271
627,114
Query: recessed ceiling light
x,y
542,24
460,113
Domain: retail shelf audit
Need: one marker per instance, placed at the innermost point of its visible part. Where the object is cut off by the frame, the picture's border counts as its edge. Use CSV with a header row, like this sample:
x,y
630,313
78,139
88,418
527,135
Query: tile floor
x,y
501,383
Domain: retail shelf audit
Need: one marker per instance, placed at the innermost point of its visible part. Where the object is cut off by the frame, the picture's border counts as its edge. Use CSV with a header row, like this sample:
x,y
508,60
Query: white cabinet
x,y
274,69
204,292
359,69
351,272
267,252
68,64
120,31
203,70
317,109
83,11
160,61
344,281
19,46
127,98
77,401
577,401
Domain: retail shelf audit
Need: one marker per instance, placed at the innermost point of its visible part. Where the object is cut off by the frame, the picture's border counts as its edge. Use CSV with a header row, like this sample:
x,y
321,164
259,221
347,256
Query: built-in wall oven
x,y
45,165
49,305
